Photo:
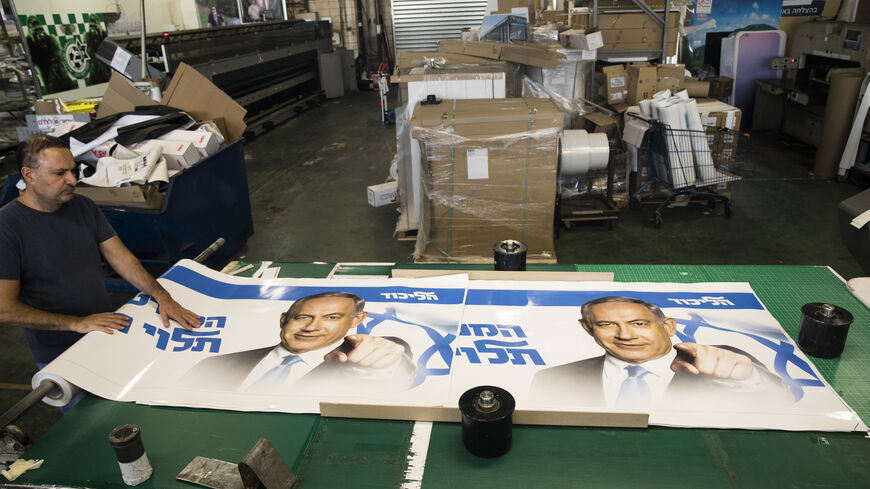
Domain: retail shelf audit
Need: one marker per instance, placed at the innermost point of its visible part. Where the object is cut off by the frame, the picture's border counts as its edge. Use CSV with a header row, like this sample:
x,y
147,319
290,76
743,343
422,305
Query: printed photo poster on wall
x,y
710,354
344,340
218,13
728,16
62,48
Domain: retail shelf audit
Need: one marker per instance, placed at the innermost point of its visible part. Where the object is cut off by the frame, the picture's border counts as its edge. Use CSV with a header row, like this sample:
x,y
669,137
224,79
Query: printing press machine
x,y
795,103
270,68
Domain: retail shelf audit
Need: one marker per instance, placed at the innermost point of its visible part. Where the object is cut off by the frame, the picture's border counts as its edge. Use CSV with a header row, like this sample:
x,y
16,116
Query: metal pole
x,y
665,31
45,388
142,40
206,253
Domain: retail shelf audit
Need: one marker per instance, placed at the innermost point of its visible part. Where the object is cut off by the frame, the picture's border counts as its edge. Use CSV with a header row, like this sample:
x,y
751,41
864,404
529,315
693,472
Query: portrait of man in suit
x,y
644,365
315,354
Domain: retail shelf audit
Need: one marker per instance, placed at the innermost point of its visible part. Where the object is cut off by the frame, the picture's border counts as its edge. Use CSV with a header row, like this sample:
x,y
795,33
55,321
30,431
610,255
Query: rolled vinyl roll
x,y
583,152
68,390
839,111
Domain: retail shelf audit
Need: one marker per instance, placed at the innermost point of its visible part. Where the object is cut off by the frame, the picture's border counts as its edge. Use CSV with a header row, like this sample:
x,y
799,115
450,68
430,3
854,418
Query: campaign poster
x,y
690,355
709,354
278,344
728,16
62,48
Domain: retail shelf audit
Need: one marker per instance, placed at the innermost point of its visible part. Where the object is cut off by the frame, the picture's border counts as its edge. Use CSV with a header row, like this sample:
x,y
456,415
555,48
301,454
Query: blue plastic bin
x,y
205,202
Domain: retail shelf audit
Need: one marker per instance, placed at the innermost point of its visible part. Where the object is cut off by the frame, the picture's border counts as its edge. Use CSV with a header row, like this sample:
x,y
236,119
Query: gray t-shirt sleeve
x,y
10,255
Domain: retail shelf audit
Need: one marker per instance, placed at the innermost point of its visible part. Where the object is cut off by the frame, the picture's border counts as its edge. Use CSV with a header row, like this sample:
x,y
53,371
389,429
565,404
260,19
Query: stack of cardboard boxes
x,y
490,175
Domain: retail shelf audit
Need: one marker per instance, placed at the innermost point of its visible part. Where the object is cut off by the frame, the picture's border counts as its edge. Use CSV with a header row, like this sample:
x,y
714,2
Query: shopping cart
x,y
687,162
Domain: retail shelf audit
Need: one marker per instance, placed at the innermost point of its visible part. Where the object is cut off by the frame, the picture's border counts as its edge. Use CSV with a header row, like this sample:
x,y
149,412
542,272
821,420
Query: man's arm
x,y
128,267
13,311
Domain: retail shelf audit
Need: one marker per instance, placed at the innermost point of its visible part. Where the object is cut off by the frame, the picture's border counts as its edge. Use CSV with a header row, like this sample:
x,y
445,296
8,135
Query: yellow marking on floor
x,y
16,387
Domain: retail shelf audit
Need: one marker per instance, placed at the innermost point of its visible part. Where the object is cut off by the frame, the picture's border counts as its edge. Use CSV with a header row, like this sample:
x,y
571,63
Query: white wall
x,y
160,15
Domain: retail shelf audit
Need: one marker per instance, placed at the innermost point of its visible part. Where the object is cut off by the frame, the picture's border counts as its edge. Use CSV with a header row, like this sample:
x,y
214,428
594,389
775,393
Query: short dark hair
x,y
358,302
586,313
29,150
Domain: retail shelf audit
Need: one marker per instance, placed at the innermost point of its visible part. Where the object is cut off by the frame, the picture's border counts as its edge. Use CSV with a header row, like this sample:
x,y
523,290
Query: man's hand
x,y
708,360
107,322
169,309
366,351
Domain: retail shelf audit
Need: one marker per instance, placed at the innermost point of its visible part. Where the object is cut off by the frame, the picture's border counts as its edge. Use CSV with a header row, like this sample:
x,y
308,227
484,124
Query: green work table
x,y
343,453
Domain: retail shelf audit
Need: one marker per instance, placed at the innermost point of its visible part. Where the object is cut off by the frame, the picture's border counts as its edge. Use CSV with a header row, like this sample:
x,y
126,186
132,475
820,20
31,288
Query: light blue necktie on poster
x,y
634,391
276,375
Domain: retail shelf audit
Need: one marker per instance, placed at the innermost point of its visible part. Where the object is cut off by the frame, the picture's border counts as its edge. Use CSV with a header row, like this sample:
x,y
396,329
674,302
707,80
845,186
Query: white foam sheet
x,y
679,146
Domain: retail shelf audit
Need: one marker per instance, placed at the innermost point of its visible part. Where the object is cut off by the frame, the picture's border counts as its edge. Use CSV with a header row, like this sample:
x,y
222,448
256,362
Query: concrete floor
x,y
308,179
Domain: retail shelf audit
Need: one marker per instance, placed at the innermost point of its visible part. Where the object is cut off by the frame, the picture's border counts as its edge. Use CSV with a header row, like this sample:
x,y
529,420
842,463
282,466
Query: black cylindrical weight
x,y
127,442
823,329
486,420
510,254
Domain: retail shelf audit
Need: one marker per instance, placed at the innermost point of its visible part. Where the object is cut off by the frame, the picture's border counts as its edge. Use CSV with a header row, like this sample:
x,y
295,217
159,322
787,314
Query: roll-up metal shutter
x,y
418,25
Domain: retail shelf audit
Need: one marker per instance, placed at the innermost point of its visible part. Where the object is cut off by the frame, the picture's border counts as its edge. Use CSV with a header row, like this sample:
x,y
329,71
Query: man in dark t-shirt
x,y
51,277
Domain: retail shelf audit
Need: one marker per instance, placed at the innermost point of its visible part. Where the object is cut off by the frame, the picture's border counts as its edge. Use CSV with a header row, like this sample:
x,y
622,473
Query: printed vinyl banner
x,y
692,355
63,47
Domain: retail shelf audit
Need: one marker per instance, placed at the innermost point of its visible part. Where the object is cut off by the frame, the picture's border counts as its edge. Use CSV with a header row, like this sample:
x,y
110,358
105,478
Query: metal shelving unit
x,y
661,22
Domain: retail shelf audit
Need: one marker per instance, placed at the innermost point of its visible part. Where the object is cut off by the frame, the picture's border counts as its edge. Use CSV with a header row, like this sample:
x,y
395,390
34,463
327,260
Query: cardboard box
x,y
178,154
641,79
670,77
601,123
121,96
46,123
581,39
463,77
696,89
571,21
638,40
719,114
615,84
382,194
205,142
188,90
528,54
489,183
514,6
720,87
134,196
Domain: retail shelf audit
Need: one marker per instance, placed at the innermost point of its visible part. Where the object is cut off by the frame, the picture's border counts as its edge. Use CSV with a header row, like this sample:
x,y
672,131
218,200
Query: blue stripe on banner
x,y
222,290
691,300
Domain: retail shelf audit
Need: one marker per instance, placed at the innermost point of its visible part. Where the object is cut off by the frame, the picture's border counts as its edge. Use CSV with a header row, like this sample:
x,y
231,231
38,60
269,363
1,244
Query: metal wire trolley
x,y
688,162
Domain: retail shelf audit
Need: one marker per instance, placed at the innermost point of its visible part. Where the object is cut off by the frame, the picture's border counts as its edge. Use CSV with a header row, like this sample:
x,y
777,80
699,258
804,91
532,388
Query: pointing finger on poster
x,y
710,360
366,351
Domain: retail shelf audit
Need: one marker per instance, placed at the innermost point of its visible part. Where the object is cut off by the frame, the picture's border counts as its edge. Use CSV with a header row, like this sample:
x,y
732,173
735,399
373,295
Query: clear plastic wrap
x,y
490,174
572,109
443,75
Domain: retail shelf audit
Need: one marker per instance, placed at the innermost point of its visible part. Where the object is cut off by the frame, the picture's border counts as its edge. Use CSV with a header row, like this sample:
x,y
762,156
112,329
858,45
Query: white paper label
x,y
594,40
478,163
704,7
617,81
120,59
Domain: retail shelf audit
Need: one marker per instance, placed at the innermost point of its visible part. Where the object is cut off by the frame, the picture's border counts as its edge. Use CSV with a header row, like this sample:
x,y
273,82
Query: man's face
x,y
630,332
53,181
318,323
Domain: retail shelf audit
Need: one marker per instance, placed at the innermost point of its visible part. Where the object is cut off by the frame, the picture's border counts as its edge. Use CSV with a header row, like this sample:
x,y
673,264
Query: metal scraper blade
x,y
212,473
